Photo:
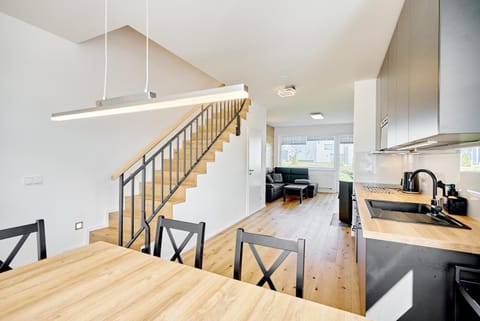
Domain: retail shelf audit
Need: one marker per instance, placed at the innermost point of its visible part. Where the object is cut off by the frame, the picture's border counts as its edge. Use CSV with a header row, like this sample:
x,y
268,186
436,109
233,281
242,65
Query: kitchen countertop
x,y
439,237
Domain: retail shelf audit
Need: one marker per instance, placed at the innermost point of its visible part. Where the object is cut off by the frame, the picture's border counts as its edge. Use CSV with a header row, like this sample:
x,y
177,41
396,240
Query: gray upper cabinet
x,y
402,38
423,69
460,66
428,86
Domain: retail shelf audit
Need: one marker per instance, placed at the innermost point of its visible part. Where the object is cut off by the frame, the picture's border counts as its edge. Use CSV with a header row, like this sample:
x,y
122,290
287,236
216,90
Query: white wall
x,y
327,179
42,73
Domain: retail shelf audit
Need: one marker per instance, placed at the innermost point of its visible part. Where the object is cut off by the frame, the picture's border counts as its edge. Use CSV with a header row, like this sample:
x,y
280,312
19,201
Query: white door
x,y
255,177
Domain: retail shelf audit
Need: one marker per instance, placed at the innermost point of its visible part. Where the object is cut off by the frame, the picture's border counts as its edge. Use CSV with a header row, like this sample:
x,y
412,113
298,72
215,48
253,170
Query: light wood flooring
x,y
331,275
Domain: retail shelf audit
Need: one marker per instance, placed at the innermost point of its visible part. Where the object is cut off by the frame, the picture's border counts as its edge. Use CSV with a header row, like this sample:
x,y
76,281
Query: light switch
x,y
78,225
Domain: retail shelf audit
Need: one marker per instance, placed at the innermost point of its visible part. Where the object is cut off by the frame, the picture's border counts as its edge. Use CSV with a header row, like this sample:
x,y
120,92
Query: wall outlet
x,y
78,225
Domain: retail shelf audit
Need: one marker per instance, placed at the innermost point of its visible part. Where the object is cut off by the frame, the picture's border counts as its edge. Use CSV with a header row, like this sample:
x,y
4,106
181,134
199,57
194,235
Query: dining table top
x,y
103,281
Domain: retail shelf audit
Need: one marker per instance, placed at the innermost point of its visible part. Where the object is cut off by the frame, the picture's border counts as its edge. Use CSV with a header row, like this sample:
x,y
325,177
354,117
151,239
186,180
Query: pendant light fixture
x,y
148,100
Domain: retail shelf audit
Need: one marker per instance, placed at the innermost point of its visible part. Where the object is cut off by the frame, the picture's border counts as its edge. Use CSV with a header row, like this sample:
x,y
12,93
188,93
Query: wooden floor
x,y
330,271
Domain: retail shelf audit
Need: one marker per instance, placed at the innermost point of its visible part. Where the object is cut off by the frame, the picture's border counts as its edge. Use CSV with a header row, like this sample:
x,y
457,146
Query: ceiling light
x,y
287,91
317,116
147,102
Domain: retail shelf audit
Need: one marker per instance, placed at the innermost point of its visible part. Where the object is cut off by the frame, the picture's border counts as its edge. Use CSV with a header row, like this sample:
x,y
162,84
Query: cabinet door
x,y
392,91
423,71
380,103
401,110
362,269
460,66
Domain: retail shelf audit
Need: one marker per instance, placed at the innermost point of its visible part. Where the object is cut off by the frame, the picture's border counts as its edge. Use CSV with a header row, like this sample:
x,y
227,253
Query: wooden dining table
x,y
107,282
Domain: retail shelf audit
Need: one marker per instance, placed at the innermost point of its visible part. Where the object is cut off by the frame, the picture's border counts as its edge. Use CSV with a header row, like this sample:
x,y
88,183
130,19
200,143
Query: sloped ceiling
x,y
320,46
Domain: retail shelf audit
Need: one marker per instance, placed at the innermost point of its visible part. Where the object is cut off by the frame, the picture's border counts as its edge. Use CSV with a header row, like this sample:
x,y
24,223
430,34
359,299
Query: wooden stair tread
x,y
110,235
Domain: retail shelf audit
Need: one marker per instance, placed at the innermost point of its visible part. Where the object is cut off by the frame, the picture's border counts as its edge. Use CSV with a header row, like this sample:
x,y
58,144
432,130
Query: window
x,y
470,159
346,158
307,151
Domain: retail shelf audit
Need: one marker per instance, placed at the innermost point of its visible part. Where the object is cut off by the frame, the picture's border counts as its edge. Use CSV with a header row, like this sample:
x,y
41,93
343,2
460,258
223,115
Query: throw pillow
x,y
277,178
269,179
302,181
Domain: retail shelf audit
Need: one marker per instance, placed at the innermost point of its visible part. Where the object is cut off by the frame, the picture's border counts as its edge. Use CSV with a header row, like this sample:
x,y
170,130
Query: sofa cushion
x,y
290,174
277,177
269,179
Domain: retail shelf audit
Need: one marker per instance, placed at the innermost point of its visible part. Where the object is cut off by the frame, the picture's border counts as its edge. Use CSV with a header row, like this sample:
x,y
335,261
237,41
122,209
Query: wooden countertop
x,y
440,237
106,282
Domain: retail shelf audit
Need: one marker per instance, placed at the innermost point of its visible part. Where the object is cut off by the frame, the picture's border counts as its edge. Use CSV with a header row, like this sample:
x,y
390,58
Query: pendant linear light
x,y
148,100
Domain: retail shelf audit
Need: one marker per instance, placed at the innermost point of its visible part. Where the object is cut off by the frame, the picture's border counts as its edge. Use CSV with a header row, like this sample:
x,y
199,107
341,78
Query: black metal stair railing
x,y
168,166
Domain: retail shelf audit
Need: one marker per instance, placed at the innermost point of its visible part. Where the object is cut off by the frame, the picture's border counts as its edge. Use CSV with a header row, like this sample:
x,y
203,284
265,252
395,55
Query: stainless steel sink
x,y
410,212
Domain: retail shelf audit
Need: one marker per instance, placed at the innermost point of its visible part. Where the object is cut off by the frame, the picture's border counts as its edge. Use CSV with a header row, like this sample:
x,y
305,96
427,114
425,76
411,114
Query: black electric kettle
x,y
409,186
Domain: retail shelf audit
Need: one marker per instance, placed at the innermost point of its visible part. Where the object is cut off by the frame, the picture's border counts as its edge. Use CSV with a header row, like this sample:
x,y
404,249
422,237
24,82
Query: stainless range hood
x,y
442,141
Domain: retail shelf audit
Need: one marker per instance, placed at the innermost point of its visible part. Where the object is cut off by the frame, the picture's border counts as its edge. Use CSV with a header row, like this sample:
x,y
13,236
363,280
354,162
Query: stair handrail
x,y
212,119
138,156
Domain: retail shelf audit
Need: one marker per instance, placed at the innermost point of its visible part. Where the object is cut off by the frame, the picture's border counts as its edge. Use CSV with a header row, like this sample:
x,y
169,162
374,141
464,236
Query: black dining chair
x,y
287,246
24,231
191,228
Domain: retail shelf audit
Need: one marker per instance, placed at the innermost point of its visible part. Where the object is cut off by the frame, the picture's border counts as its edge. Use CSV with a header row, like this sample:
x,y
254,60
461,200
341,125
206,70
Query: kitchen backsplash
x,y
388,169
378,168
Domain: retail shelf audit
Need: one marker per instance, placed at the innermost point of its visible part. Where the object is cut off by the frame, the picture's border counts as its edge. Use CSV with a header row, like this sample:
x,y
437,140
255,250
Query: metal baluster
x,y
191,146
224,115
184,152
145,225
206,140
216,119
178,159
196,144
153,184
201,140
132,191
213,121
237,129
170,169
120,211
162,182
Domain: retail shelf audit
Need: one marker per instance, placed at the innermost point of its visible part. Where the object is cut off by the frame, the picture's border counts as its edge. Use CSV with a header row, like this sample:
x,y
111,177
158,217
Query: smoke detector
x,y
287,91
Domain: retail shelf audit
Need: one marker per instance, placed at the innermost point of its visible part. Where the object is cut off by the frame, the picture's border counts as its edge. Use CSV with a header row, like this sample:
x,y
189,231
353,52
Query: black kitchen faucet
x,y
435,208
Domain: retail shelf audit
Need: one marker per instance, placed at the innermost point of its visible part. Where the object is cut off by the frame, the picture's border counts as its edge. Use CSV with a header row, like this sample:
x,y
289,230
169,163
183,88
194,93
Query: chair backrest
x,y
192,228
287,246
24,231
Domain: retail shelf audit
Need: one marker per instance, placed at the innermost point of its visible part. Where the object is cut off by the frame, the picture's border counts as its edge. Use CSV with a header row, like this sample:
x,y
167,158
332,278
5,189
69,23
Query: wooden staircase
x,y
110,234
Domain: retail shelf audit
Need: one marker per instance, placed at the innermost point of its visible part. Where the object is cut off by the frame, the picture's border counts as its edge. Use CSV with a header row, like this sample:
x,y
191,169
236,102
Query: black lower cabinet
x,y
345,202
433,271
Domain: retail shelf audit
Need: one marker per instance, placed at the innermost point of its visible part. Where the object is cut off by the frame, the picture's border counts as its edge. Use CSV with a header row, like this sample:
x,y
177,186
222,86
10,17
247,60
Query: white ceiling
x,y
320,46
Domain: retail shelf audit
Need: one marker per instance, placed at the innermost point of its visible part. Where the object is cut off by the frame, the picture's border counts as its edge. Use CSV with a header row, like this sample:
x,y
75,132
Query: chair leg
x,y
237,266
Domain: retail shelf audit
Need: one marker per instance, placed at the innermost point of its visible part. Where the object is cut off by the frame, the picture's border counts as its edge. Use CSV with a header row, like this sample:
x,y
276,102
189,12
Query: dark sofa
x,y
274,190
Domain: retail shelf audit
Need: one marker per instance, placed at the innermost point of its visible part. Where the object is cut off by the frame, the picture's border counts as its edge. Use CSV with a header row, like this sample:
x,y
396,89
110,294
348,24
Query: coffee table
x,y
295,188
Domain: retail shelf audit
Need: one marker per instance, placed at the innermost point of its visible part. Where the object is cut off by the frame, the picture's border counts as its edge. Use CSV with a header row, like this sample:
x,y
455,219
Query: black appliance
x,y
453,203
345,202
409,186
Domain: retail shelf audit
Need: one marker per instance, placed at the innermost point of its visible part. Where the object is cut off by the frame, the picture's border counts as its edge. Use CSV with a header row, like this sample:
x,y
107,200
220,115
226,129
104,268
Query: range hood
x,y
441,141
